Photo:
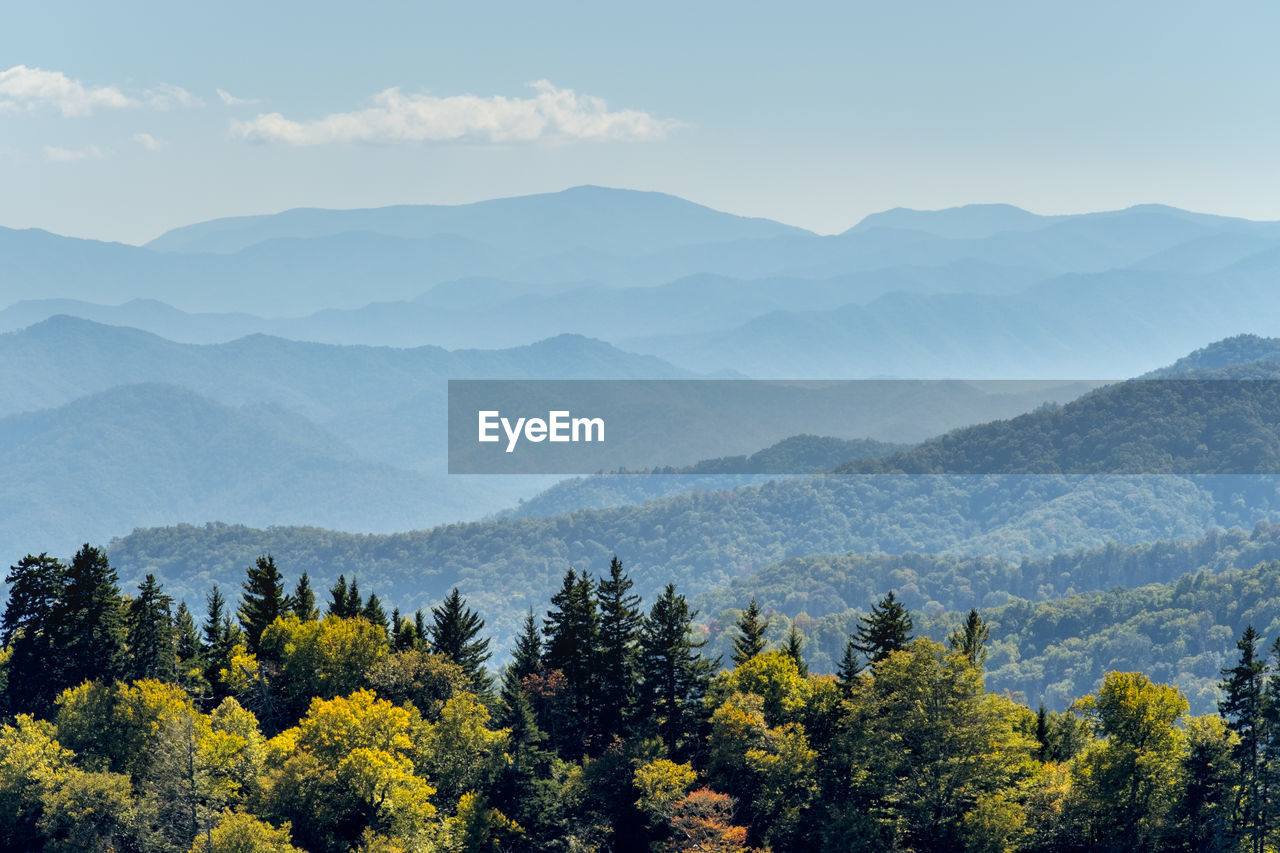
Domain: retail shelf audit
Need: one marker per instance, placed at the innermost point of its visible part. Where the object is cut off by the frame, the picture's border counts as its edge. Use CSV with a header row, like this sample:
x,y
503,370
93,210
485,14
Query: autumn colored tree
x,y
703,821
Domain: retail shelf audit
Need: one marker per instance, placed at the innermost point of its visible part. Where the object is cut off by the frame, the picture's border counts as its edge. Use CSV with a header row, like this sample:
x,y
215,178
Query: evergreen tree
x,y
572,631
150,636
1042,732
405,638
1241,707
338,599
620,620
526,656
971,638
88,641
263,600
453,632
220,637
216,610
354,605
850,667
751,628
1202,816
190,654
886,630
36,586
794,647
420,629
516,712
1270,770
675,675
303,600
375,615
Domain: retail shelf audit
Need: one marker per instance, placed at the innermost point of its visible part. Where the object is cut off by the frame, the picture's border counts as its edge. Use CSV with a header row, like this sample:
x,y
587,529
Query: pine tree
x,y
190,654
526,656
216,609
850,668
971,638
355,604
794,647
303,600
886,630
338,599
405,637
263,600
1241,707
375,615
453,633
572,631
516,712
620,620
420,630
88,631
751,628
1269,772
36,585
220,637
1042,732
675,675
150,635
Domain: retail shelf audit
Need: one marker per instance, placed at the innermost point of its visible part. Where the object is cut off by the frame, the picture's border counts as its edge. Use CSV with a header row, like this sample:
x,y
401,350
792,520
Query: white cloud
x,y
54,154
33,88
551,114
166,97
232,101
147,141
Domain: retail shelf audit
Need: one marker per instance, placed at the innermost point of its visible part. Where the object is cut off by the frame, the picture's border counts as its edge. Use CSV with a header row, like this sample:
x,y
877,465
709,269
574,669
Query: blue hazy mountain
x,y
300,262
968,222
487,312
1122,322
153,454
705,538
63,357
387,403
594,218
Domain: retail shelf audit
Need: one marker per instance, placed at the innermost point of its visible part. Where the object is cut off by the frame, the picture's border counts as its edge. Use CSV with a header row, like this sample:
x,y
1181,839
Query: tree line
x,y
283,722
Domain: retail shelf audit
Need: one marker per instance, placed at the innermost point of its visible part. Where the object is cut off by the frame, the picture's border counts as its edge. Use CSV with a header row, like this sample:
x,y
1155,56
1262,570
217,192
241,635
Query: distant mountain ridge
x,y
63,357
584,217
304,261
139,455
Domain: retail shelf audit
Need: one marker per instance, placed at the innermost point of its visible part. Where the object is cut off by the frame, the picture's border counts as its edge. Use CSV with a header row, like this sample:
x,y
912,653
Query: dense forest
x,y
1224,422
1092,610
290,720
704,540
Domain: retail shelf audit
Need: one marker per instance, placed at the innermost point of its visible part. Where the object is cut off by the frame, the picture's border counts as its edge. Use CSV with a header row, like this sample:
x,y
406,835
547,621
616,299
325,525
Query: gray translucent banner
x,y
671,426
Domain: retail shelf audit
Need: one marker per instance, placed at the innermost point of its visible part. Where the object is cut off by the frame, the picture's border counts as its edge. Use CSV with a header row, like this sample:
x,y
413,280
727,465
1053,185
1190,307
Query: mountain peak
x,y
968,222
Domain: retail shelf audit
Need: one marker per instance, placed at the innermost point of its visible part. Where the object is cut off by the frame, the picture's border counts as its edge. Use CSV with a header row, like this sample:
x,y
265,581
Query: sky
x,y
119,121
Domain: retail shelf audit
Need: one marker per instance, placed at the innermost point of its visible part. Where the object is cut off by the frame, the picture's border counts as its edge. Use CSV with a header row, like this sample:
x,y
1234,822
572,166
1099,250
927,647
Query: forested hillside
x,y
704,540
1220,422
269,727
1058,624
801,454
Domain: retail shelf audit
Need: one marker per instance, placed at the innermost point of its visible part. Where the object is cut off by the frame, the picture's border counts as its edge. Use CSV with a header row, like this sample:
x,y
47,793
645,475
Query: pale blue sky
x,y
813,114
